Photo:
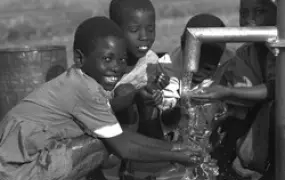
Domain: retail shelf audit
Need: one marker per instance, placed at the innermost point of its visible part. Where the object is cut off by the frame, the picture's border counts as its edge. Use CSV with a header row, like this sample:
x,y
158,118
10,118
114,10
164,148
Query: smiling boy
x,y
66,127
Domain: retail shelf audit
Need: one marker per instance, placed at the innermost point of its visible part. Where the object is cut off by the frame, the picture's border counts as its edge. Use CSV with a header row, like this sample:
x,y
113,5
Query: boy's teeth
x,y
112,79
143,47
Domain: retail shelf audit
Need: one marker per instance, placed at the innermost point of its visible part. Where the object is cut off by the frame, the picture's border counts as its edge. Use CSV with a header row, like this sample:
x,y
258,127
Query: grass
x,y
52,22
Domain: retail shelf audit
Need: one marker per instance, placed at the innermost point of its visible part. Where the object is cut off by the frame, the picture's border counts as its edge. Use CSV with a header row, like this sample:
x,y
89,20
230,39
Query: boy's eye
x,y
150,28
209,67
123,60
107,59
260,11
133,28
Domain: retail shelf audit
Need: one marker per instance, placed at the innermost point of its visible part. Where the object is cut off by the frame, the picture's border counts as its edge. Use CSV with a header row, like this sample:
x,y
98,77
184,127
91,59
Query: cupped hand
x,y
214,92
193,159
195,156
246,83
162,81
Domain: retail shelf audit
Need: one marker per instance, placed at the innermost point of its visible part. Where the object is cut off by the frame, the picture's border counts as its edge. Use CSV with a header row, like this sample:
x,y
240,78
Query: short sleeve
x,y
93,113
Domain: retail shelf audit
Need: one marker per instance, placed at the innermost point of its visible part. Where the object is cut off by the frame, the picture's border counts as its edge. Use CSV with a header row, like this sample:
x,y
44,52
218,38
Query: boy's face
x,y
139,30
257,13
107,63
209,60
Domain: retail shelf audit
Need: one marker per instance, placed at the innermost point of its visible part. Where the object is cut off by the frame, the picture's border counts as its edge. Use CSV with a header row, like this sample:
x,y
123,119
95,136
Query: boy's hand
x,y
195,156
162,81
215,92
150,96
246,83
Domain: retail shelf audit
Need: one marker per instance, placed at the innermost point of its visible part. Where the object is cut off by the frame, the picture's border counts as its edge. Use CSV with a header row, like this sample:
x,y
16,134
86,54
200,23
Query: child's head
x,y
211,53
257,13
100,46
137,20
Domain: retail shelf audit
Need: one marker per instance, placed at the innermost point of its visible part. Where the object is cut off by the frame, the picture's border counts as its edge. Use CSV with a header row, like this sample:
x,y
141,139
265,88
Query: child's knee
x,y
56,162
72,157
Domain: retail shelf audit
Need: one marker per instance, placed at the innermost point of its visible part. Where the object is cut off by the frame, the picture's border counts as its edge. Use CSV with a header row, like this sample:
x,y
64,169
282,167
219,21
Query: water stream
x,y
196,133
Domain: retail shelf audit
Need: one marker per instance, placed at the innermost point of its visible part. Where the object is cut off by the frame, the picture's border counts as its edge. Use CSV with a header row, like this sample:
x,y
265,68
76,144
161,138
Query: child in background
x,y
137,20
60,130
255,64
253,61
211,53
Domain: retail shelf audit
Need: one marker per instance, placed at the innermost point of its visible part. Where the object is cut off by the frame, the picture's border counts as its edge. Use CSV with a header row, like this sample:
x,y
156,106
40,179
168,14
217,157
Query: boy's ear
x,y
78,58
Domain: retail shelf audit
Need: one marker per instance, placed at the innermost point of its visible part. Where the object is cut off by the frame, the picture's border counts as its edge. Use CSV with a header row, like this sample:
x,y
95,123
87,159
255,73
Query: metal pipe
x,y
229,34
280,94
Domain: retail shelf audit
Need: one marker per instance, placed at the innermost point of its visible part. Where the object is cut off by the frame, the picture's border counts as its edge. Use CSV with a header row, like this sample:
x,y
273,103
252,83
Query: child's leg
x,y
73,158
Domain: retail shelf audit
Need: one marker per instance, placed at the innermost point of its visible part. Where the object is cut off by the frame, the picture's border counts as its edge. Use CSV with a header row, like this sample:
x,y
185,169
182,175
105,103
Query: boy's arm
x,y
255,93
137,147
121,103
94,115
262,91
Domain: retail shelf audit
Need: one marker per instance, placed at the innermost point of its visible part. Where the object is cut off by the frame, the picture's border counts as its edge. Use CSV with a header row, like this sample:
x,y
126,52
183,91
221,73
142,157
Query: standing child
x,y
211,53
137,20
255,64
60,129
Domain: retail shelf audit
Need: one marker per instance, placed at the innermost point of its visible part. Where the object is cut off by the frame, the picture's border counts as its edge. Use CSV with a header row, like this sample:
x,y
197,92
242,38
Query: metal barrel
x,y
24,69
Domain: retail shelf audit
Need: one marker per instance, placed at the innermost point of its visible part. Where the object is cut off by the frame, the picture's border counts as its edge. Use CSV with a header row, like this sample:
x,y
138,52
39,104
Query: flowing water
x,y
196,134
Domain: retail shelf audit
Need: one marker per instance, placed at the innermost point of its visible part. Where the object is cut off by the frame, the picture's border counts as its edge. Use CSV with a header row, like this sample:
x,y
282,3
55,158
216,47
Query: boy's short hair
x,y
205,20
90,30
117,8
264,2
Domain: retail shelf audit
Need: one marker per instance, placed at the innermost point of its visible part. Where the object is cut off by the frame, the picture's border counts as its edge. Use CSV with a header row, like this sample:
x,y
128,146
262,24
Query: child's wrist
x,y
229,91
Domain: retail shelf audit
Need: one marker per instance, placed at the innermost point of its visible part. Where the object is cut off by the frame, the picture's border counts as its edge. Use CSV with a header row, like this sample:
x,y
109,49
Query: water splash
x,y
196,134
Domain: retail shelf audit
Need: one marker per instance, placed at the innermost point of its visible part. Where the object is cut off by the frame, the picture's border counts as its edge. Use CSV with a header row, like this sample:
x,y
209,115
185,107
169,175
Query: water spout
x,y
196,36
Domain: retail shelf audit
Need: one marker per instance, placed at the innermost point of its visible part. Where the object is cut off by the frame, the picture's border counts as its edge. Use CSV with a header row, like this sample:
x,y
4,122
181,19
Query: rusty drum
x,y
24,69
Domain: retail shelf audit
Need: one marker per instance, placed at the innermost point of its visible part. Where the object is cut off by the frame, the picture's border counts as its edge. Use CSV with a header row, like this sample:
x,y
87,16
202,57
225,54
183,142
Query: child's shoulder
x,y
83,83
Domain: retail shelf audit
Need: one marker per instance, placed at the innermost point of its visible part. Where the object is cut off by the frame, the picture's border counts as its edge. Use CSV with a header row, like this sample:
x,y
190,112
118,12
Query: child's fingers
x,y
148,89
247,81
162,85
164,77
163,81
146,96
157,97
